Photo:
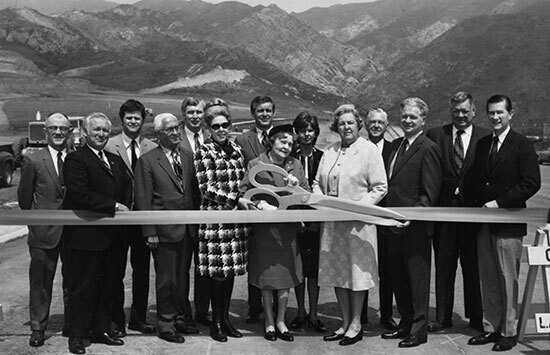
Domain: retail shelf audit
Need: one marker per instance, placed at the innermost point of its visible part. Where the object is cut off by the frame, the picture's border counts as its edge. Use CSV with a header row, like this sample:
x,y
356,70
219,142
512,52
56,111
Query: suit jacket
x,y
91,186
511,179
250,145
186,145
451,177
115,145
39,189
157,188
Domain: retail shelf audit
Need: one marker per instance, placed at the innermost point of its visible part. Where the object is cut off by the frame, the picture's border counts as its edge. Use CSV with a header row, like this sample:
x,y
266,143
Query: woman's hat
x,y
285,128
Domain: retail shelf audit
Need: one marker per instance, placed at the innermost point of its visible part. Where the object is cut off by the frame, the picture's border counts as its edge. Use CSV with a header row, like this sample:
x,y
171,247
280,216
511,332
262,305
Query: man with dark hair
x,y
452,241
41,187
253,143
505,174
414,179
130,145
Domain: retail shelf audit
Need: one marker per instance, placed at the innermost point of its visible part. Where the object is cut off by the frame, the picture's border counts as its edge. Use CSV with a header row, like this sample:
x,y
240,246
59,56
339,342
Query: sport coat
x,y
115,145
157,188
250,145
451,176
511,179
186,145
91,186
39,189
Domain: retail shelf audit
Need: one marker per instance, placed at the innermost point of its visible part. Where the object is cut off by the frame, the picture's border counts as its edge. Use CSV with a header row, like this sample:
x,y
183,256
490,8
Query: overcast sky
x,y
288,5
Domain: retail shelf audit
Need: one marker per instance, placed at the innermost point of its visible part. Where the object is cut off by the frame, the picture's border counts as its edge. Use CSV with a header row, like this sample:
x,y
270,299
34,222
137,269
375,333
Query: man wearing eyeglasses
x,y
42,188
165,180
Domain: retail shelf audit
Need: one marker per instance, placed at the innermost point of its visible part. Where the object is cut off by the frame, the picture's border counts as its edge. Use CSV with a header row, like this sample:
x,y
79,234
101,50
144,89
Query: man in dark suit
x,y
95,180
165,180
376,124
505,174
130,145
414,179
457,141
41,188
253,143
193,135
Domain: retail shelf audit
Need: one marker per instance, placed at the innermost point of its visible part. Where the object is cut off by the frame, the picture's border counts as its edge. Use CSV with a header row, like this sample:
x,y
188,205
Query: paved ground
x,y
14,329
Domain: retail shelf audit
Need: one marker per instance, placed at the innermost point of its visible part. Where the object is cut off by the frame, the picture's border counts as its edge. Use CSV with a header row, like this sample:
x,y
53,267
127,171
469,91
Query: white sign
x,y
542,321
538,256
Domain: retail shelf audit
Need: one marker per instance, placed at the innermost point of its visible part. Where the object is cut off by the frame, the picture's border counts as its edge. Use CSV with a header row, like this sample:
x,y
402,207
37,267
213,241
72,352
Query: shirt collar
x,y
53,152
413,138
128,141
467,131
502,136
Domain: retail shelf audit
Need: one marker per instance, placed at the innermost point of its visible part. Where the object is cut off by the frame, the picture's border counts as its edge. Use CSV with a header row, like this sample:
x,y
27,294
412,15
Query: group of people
x,y
195,166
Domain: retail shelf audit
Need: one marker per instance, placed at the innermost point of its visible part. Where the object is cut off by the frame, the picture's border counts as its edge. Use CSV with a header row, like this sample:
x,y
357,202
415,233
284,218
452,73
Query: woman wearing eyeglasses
x,y
223,252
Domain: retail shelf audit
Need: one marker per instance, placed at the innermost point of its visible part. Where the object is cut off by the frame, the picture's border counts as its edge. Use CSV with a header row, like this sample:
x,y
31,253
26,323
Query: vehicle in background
x,y
544,156
7,164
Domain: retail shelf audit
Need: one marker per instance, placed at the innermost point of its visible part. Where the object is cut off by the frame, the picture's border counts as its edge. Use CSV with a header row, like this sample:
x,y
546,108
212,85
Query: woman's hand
x,y
244,203
291,180
264,206
403,224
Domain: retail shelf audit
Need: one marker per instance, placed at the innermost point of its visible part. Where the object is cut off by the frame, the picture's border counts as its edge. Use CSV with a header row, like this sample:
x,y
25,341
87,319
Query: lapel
x,y
99,162
164,163
48,162
119,144
506,146
408,154
469,157
145,145
450,147
254,142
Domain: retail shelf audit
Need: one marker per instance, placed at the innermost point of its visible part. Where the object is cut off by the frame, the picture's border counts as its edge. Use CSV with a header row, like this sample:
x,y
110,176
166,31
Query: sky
x,y
287,5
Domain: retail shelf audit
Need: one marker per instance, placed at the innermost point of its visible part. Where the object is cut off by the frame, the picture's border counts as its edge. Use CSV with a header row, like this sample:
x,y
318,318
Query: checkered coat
x,y
223,248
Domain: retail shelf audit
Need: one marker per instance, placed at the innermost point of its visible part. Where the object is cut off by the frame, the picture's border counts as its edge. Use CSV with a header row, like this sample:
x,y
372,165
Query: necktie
x,y
398,155
459,150
134,154
197,142
100,154
265,141
60,168
176,164
494,150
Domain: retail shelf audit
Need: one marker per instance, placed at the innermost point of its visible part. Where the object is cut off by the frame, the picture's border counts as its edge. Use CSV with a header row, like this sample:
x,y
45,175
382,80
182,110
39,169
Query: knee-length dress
x,y
348,251
223,248
274,257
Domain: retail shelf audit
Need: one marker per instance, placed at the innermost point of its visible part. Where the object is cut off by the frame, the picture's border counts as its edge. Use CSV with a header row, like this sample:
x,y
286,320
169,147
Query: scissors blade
x,y
361,217
356,207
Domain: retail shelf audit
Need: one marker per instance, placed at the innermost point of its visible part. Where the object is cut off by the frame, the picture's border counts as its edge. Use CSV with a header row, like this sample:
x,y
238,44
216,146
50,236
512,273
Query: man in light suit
x,y
253,143
452,241
376,125
95,180
130,145
41,187
165,180
193,135
414,178
505,174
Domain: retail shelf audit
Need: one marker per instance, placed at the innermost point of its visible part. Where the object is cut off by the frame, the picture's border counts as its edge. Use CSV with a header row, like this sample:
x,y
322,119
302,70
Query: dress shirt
x,y
466,137
259,133
502,137
191,137
53,153
127,141
96,152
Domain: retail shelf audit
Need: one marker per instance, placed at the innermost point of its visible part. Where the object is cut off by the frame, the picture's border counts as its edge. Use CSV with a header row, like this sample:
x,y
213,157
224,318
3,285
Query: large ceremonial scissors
x,y
296,196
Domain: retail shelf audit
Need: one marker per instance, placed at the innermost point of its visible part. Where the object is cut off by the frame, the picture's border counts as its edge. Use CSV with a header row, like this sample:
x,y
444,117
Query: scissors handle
x,y
262,167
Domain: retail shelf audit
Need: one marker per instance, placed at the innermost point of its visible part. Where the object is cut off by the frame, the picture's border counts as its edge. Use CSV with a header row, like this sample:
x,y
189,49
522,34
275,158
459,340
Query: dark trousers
x,y
410,255
172,262
254,300
41,275
203,288
451,242
130,237
90,291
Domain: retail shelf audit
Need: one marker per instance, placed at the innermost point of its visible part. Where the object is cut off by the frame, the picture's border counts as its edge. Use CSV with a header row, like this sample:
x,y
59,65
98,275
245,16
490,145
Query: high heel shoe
x,y
270,335
349,341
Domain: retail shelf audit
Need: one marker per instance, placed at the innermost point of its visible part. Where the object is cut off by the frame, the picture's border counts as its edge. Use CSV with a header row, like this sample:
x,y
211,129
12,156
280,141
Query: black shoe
x,y
203,319
396,334
286,336
439,326
412,341
271,336
142,327
505,344
186,328
76,346
172,337
252,318
217,333
349,341
333,337
105,338
484,338
364,319
316,325
476,323
118,332
37,338
298,323
389,324
230,330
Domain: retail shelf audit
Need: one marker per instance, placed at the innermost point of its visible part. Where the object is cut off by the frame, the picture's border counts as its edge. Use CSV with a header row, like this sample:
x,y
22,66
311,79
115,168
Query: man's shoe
x,y
412,341
37,338
298,322
349,341
142,327
76,346
505,344
172,337
105,338
316,325
484,338
439,326
476,323
396,334
333,337
389,324
203,319
118,332
186,327
217,333
252,318
230,330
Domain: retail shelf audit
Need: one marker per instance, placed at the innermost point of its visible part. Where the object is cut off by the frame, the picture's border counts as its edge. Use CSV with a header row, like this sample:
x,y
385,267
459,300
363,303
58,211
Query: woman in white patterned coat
x,y
351,169
223,248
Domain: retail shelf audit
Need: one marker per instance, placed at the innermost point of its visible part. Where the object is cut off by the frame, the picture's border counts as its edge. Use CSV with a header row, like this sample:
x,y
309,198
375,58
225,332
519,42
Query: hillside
x,y
50,7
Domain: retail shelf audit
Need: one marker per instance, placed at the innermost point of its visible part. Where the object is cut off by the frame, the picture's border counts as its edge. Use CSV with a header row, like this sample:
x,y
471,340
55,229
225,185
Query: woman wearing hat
x,y
274,260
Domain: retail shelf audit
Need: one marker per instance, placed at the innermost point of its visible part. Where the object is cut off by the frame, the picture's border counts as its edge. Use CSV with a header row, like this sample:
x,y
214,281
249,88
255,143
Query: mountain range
x,y
373,54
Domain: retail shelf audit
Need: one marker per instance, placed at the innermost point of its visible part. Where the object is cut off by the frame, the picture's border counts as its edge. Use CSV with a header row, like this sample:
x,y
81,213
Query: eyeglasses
x,y
171,129
217,126
55,128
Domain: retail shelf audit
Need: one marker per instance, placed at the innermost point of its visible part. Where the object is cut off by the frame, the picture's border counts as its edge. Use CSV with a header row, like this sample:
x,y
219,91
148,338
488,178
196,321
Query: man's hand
x,y
403,224
121,207
152,242
491,204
